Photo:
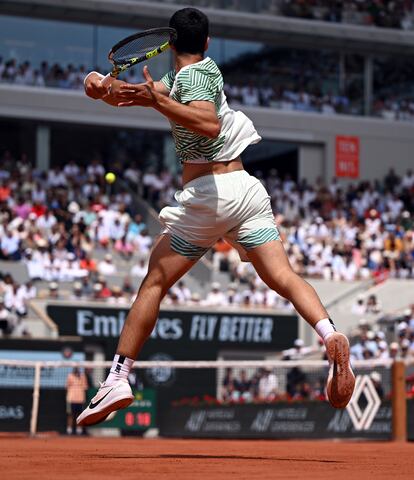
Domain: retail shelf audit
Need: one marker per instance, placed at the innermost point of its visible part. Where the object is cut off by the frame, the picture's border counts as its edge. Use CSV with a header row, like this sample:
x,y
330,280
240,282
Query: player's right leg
x,y
166,267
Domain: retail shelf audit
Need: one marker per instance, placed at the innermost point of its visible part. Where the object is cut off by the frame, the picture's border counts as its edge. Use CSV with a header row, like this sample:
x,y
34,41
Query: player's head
x,y
192,31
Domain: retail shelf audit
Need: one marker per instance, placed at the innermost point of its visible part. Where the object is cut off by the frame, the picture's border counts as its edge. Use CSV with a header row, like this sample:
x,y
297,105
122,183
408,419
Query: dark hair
x,y
192,30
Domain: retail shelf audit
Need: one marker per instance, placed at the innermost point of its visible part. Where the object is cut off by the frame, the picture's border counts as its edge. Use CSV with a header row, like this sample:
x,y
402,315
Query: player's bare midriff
x,y
195,170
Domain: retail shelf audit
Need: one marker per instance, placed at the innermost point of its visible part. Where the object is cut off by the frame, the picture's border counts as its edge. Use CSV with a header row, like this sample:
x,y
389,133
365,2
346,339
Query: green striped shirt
x,y
195,82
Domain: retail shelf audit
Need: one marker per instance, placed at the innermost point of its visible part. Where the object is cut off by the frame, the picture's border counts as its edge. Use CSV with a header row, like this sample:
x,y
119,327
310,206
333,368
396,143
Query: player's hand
x,y
141,94
94,87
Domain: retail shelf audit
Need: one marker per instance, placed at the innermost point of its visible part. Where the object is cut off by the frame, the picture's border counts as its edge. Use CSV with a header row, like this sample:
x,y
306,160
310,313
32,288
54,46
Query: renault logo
x,y
362,419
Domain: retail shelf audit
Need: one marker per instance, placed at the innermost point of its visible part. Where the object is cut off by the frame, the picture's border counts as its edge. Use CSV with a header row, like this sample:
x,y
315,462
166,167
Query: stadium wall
x,y
382,143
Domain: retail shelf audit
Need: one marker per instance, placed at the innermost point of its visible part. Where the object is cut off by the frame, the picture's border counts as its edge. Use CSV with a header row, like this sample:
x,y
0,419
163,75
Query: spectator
x,y
394,350
268,386
77,293
372,305
233,297
104,291
244,387
76,386
216,297
117,297
87,263
140,269
298,351
106,266
227,385
295,381
182,291
358,308
7,320
10,246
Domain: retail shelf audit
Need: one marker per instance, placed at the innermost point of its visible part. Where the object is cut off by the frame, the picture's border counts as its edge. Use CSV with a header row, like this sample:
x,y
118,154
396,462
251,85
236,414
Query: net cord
x,y
213,364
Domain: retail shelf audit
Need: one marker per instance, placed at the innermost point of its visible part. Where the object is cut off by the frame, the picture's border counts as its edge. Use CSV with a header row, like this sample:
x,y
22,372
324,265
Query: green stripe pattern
x,y
201,81
168,80
259,237
186,249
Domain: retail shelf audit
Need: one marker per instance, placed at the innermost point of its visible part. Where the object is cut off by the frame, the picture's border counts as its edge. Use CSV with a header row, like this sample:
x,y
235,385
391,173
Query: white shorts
x,y
234,206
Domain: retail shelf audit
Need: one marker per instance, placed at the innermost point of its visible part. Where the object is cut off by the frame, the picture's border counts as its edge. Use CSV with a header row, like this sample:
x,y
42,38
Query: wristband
x,y
90,73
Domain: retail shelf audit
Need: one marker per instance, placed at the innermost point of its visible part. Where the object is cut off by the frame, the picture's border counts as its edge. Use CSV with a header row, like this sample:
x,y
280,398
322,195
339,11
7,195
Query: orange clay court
x,y
89,458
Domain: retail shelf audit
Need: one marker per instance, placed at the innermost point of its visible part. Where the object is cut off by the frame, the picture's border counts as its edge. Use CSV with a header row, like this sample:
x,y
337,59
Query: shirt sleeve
x,y
168,80
197,85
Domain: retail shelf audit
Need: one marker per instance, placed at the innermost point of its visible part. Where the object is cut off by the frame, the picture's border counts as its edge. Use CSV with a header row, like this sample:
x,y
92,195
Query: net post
x,y
36,395
399,402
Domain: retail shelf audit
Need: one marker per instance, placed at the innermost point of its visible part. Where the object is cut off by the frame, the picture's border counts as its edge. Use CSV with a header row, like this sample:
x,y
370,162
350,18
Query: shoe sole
x,y
341,381
97,417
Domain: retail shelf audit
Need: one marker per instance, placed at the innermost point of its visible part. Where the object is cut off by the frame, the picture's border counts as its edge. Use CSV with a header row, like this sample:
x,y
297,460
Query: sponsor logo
x,y
94,405
90,325
282,420
195,421
168,329
235,329
160,376
363,418
218,421
262,421
203,328
11,412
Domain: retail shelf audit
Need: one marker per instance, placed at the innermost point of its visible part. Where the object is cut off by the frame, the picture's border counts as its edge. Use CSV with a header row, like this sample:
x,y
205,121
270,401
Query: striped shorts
x,y
234,206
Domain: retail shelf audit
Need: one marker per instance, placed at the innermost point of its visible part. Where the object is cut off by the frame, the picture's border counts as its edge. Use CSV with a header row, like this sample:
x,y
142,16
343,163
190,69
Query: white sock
x,y
120,369
324,328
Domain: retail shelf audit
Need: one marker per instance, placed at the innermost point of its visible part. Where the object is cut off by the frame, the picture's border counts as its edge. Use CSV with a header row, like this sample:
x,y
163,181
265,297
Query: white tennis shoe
x,y
108,399
341,378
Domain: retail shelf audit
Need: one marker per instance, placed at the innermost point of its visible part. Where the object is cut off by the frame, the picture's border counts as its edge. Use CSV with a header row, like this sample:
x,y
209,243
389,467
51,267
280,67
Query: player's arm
x,y
198,116
94,89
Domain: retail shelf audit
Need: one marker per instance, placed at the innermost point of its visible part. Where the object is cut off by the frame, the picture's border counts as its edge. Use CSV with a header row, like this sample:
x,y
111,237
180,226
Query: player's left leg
x,y
273,267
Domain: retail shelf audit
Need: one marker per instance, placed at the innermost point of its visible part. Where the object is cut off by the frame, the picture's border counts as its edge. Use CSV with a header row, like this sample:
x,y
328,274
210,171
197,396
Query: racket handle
x,y
107,80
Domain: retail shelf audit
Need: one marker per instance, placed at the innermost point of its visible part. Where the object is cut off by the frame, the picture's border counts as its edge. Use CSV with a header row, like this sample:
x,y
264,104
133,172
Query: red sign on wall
x,y
347,157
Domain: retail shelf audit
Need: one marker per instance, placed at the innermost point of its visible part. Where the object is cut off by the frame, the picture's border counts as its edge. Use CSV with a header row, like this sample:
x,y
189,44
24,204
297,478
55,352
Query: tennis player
x,y
219,200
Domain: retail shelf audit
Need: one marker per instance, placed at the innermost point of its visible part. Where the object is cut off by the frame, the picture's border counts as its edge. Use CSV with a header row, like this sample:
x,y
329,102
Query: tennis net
x,y
35,395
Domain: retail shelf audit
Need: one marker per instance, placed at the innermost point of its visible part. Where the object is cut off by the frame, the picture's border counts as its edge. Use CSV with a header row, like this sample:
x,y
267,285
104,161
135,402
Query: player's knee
x,y
152,282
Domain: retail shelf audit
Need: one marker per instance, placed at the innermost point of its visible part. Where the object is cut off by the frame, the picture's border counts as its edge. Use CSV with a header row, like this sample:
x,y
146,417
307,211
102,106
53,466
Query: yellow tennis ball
x,y
110,177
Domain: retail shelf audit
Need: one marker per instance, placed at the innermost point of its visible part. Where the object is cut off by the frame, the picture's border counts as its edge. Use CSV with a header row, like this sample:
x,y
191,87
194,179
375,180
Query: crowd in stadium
x,y
66,226
264,386
322,223
289,80
362,231
267,386
381,13
294,97
368,342
287,98
49,75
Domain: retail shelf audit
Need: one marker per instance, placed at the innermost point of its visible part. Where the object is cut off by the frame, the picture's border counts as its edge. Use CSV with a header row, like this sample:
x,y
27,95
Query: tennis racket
x,y
138,48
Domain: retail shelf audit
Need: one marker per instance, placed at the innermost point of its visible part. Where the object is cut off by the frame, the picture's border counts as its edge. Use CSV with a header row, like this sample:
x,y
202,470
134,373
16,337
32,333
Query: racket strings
x,y
139,47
